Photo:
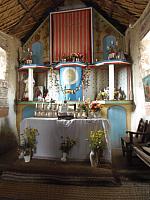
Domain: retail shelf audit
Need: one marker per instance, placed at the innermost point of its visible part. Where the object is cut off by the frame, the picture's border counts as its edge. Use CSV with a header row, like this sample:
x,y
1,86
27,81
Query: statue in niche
x,y
119,94
26,86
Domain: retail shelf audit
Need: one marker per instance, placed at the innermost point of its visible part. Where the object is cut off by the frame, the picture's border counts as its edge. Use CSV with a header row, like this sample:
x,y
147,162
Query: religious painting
x,y
71,83
146,84
145,65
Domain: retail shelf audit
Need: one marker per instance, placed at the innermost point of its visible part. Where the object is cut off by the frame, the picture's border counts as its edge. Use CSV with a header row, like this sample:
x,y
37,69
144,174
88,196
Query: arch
x,y
108,41
117,118
3,63
37,53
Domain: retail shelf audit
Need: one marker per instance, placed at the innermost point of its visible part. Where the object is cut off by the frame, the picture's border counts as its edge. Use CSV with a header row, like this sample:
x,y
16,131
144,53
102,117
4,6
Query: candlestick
x,y
83,98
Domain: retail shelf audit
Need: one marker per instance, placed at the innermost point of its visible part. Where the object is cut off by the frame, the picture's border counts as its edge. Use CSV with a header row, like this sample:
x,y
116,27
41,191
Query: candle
x,y
83,98
36,105
42,105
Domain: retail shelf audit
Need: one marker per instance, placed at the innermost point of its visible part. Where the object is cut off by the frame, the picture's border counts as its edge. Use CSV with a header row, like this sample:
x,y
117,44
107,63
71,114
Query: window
x,y
3,84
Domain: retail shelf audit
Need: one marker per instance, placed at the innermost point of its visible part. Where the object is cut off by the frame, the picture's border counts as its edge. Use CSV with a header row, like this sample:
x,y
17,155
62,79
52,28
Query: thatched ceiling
x,y
22,17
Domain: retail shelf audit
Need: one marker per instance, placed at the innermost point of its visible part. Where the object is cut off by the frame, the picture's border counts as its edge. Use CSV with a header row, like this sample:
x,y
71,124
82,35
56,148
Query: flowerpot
x,y
64,157
27,158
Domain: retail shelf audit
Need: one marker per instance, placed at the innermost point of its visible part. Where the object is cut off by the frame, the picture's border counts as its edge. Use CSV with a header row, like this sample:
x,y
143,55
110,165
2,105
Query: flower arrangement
x,y
28,140
25,56
97,140
103,95
84,106
73,57
95,107
67,144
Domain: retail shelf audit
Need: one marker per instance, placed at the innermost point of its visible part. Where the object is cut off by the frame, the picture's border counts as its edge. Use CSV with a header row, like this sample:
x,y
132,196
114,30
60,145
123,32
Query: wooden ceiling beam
x,y
24,18
24,6
114,7
44,16
121,28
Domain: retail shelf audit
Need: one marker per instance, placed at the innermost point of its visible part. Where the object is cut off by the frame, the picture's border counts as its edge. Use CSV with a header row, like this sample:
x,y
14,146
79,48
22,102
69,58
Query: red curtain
x,y
71,33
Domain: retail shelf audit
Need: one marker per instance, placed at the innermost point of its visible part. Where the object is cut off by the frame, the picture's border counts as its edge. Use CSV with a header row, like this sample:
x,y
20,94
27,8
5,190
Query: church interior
x,y
74,99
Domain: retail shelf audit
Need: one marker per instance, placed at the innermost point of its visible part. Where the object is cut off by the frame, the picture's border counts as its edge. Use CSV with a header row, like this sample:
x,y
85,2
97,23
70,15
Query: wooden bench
x,y
143,152
131,139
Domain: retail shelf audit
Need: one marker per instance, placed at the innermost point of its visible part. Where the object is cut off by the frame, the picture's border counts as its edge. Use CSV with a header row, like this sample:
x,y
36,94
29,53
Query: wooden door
x,y
117,119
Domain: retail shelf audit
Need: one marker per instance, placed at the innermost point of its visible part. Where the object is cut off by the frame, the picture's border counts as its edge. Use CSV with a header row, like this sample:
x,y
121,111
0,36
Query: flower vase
x,y
95,158
97,114
79,115
92,158
64,157
84,114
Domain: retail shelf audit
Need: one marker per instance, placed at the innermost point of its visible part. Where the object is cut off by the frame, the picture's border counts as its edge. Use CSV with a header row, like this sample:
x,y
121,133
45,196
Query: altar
x,y
50,132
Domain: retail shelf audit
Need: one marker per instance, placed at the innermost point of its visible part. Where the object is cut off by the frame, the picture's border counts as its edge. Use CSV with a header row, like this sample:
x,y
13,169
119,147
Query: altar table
x,y
50,132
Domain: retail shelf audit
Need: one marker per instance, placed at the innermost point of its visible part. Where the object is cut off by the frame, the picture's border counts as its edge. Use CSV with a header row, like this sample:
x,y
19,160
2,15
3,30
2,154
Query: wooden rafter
x,y
116,8
121,28
44,16
25,17
23,4
22,17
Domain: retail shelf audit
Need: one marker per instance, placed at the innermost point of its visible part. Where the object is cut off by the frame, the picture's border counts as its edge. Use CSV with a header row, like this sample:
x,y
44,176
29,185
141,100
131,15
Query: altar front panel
x,y
51,130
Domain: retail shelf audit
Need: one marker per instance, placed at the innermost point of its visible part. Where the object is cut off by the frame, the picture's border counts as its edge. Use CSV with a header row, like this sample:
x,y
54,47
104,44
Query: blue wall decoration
x,y
70,83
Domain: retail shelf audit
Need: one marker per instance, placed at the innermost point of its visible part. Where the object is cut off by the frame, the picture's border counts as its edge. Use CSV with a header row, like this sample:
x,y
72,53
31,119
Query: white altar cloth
x,y
50,132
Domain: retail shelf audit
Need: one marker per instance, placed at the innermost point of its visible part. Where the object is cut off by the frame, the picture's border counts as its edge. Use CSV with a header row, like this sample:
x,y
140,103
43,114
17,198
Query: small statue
x,y
26,92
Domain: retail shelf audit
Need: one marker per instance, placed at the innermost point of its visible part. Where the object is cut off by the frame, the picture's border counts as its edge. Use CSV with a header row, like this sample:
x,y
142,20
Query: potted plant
x,y
65,146
97,144
28,142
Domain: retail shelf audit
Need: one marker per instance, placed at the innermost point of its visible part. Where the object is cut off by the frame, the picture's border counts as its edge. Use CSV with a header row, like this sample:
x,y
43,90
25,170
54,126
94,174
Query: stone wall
x,y
8,132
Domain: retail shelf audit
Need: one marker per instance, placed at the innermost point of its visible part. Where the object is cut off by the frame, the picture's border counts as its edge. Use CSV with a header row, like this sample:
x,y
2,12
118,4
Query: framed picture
x,y
146,84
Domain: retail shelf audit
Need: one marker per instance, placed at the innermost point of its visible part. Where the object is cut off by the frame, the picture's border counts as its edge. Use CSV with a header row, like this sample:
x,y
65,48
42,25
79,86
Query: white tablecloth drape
x,y
50,132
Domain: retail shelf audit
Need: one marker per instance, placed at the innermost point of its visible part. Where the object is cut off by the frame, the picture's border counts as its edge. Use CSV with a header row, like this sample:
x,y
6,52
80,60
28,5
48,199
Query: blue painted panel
x,y
117,119
70,80
28,111
37,53
108,41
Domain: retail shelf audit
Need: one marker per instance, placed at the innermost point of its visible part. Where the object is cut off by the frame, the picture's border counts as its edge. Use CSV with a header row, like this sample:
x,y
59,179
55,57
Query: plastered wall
x,y
8,132
134,35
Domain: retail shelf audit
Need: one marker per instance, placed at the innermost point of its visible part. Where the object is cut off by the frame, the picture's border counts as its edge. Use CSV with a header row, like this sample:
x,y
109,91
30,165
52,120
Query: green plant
x,y
67,144
97,140
28,140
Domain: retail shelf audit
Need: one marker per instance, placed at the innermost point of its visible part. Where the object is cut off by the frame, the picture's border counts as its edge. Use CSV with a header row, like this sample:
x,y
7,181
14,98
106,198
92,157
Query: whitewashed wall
x,y
8,131
133,38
